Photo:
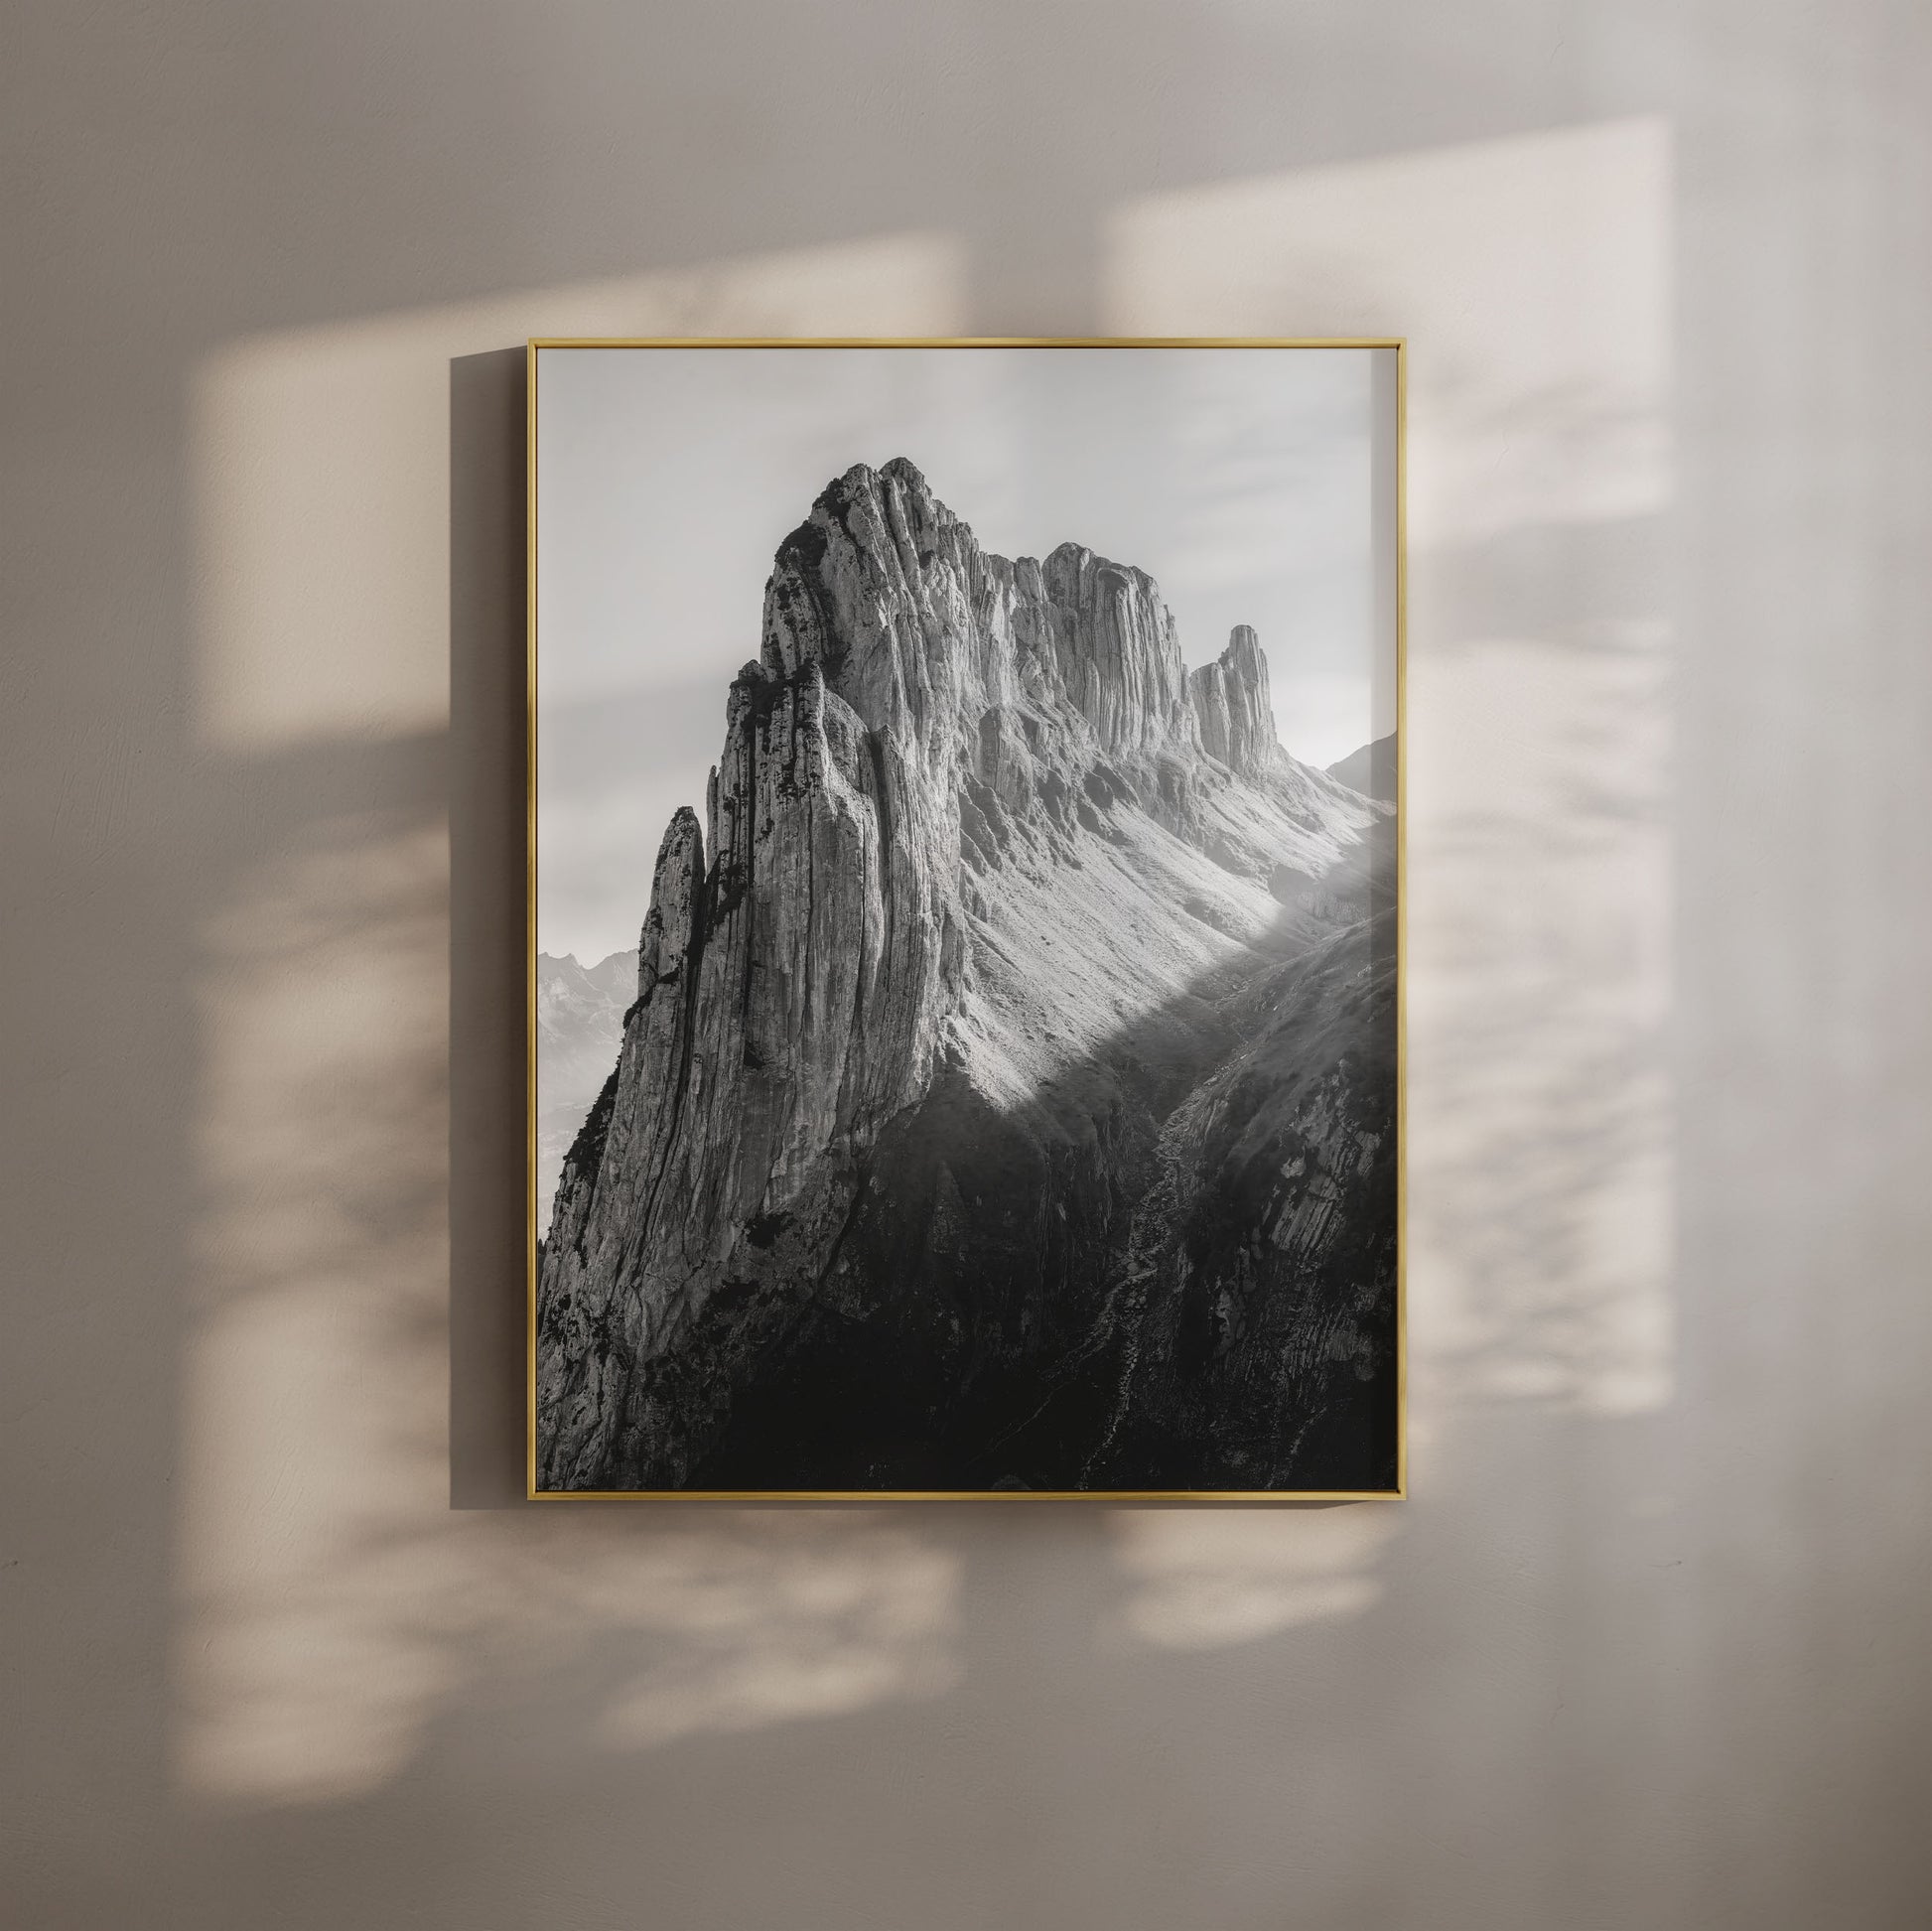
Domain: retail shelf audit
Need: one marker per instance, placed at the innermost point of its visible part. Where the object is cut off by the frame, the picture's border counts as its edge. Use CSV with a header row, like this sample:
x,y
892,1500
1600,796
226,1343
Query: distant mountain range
x,y
580,1025
1370,771
1007,1094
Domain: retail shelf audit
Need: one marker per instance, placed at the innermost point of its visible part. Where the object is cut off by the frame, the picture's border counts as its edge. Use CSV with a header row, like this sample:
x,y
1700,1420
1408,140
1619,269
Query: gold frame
x,y
1399,343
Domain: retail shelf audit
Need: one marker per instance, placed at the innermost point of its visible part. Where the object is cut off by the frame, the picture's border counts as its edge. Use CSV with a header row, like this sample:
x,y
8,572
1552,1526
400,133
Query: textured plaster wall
x,y
1647,1647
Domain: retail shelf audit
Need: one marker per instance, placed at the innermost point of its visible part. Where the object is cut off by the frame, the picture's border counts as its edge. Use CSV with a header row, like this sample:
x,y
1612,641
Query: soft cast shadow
x,y
487,991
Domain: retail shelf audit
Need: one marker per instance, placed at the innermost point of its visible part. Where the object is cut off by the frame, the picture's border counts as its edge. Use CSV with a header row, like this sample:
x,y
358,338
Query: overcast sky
x,y
1238,478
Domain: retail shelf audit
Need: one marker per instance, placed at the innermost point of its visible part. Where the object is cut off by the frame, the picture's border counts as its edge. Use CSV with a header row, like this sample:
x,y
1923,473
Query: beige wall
x,y
1647,1647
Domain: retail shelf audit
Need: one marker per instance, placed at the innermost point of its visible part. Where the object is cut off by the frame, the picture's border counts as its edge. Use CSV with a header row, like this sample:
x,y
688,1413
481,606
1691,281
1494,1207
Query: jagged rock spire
x,y
1231,702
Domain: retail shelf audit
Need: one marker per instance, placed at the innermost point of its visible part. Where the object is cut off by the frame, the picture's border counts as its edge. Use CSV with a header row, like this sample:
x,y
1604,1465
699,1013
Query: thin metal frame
x,y
1400,1491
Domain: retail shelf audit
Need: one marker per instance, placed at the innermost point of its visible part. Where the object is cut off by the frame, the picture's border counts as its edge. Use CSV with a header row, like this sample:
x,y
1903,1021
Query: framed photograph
x,y
966,898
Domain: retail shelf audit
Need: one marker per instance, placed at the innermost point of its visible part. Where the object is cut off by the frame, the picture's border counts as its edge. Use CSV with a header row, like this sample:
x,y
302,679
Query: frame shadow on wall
x,y
487,817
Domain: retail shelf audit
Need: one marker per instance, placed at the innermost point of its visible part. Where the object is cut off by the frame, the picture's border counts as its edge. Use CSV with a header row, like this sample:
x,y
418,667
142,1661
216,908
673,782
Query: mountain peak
x,y
884,588
905,472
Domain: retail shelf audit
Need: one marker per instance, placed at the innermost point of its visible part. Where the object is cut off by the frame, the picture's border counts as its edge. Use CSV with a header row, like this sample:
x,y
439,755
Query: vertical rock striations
x,y
1231,698
981,949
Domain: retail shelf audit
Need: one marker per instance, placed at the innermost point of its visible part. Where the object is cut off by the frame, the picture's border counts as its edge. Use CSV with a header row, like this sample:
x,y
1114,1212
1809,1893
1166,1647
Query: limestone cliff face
x,y
1237,720
990,892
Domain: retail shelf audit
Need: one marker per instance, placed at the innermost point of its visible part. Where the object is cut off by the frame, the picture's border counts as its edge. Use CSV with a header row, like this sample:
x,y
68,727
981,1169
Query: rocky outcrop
x,y
993,906
1231,698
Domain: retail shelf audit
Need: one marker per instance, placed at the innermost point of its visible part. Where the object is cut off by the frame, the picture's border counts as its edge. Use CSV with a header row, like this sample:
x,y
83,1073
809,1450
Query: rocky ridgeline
x,y
1009,1094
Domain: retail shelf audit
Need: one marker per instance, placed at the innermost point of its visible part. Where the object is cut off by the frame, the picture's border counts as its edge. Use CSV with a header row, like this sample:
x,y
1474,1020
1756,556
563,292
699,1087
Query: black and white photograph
x,y
965,1005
